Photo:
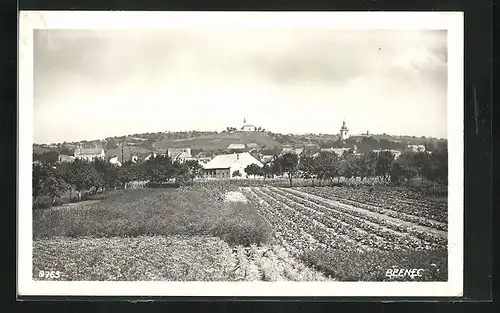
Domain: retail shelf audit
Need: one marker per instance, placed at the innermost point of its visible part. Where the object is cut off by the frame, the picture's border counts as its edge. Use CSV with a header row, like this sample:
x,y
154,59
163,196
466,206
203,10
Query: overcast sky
x,y
96,84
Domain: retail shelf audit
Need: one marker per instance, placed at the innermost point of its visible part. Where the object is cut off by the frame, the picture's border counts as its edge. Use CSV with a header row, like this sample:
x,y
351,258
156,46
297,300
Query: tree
x,y
404,167
127,172
276,166
289,163
111,144
81,175
194,169
160,169
107,174
306,167
366,165
236,173
253,170
53,184
49,157
66,150
348,165
384,164
267,171
38,176
326,166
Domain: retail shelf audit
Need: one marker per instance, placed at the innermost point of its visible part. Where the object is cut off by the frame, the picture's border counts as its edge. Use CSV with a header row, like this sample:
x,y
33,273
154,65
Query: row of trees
x,y
78,177
328,166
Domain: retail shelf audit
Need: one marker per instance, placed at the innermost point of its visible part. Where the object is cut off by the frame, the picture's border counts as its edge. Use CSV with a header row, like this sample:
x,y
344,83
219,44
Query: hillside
x,y
219,141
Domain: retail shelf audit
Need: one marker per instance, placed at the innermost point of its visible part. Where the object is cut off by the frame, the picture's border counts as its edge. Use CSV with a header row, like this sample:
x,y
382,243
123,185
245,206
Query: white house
x,y
66,158
267,158
89,154
114,160
223,166
180,154
338,151
395,153
416,148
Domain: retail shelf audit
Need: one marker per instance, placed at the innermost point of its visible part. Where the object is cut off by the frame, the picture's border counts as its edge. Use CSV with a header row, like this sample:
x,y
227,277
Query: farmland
x,y
191,233
220,141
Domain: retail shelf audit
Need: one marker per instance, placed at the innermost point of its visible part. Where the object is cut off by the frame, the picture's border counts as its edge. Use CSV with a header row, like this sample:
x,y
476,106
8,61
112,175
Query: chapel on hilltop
x,y
246,127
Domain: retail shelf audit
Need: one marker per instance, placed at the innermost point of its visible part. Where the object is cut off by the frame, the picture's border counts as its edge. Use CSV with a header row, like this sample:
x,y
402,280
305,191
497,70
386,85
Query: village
x,y
230,163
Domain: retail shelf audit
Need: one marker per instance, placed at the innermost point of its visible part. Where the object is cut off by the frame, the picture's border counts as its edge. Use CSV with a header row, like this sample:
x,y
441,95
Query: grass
x,y
186,211
372,265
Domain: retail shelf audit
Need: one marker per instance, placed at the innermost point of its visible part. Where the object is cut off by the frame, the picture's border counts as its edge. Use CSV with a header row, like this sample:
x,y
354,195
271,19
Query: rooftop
x,y
90,151
236,146
226,160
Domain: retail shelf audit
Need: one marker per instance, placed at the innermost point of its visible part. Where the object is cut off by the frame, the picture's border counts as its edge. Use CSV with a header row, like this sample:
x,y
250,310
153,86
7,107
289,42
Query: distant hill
x,y
219,141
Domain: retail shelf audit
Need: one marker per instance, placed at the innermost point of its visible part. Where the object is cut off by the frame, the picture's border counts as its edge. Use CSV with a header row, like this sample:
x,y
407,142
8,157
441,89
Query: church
x,y
246,127
344,132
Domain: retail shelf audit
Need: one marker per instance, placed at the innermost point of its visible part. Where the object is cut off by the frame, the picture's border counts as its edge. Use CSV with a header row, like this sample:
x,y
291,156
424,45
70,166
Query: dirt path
x,y
438,233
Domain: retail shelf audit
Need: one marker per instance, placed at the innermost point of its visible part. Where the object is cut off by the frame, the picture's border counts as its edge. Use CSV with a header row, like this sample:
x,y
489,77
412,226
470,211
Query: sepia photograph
x,y
240,154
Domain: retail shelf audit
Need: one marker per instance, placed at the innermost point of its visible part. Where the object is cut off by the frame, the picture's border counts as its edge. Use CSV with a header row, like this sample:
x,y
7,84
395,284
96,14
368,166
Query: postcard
x,y
240,154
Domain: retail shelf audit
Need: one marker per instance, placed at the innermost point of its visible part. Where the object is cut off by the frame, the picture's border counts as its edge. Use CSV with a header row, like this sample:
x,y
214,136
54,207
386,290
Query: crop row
x,y
381,209
345,231
387,239
326,235
286,230
369,222
342,231
423,208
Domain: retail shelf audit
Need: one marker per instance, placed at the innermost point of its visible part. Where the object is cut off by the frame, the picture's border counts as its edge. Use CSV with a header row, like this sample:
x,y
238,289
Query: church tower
x,y
344,132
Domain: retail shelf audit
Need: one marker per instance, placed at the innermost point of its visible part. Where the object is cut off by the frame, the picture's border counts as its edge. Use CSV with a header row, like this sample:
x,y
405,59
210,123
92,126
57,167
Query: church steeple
x,y
344,131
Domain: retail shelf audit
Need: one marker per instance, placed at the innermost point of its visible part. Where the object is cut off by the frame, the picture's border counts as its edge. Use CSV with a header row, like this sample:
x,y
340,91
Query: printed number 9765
x,y
49,274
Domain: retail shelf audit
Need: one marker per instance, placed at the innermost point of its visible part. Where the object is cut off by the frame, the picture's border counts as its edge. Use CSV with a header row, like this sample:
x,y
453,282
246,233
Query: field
x,y
220,141
192,233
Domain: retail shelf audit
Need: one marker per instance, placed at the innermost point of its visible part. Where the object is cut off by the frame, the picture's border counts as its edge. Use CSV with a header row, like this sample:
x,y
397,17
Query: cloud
x,y
132,79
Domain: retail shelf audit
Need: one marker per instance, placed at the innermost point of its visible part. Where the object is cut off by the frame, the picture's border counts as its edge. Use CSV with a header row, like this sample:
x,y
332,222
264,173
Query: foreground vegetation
x,y
160,258
192,233
186,211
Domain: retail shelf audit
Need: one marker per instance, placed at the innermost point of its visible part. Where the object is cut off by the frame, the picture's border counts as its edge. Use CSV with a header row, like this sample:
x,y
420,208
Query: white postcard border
x,y
450,21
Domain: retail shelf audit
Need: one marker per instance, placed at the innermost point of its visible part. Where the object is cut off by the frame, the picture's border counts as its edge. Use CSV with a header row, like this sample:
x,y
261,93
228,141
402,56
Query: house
x,y
236,146
153,155
203,160
180,154
267,158
223,166
89,154
65,158
114,160
297,151
124,155
338,151
416,148
395,153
